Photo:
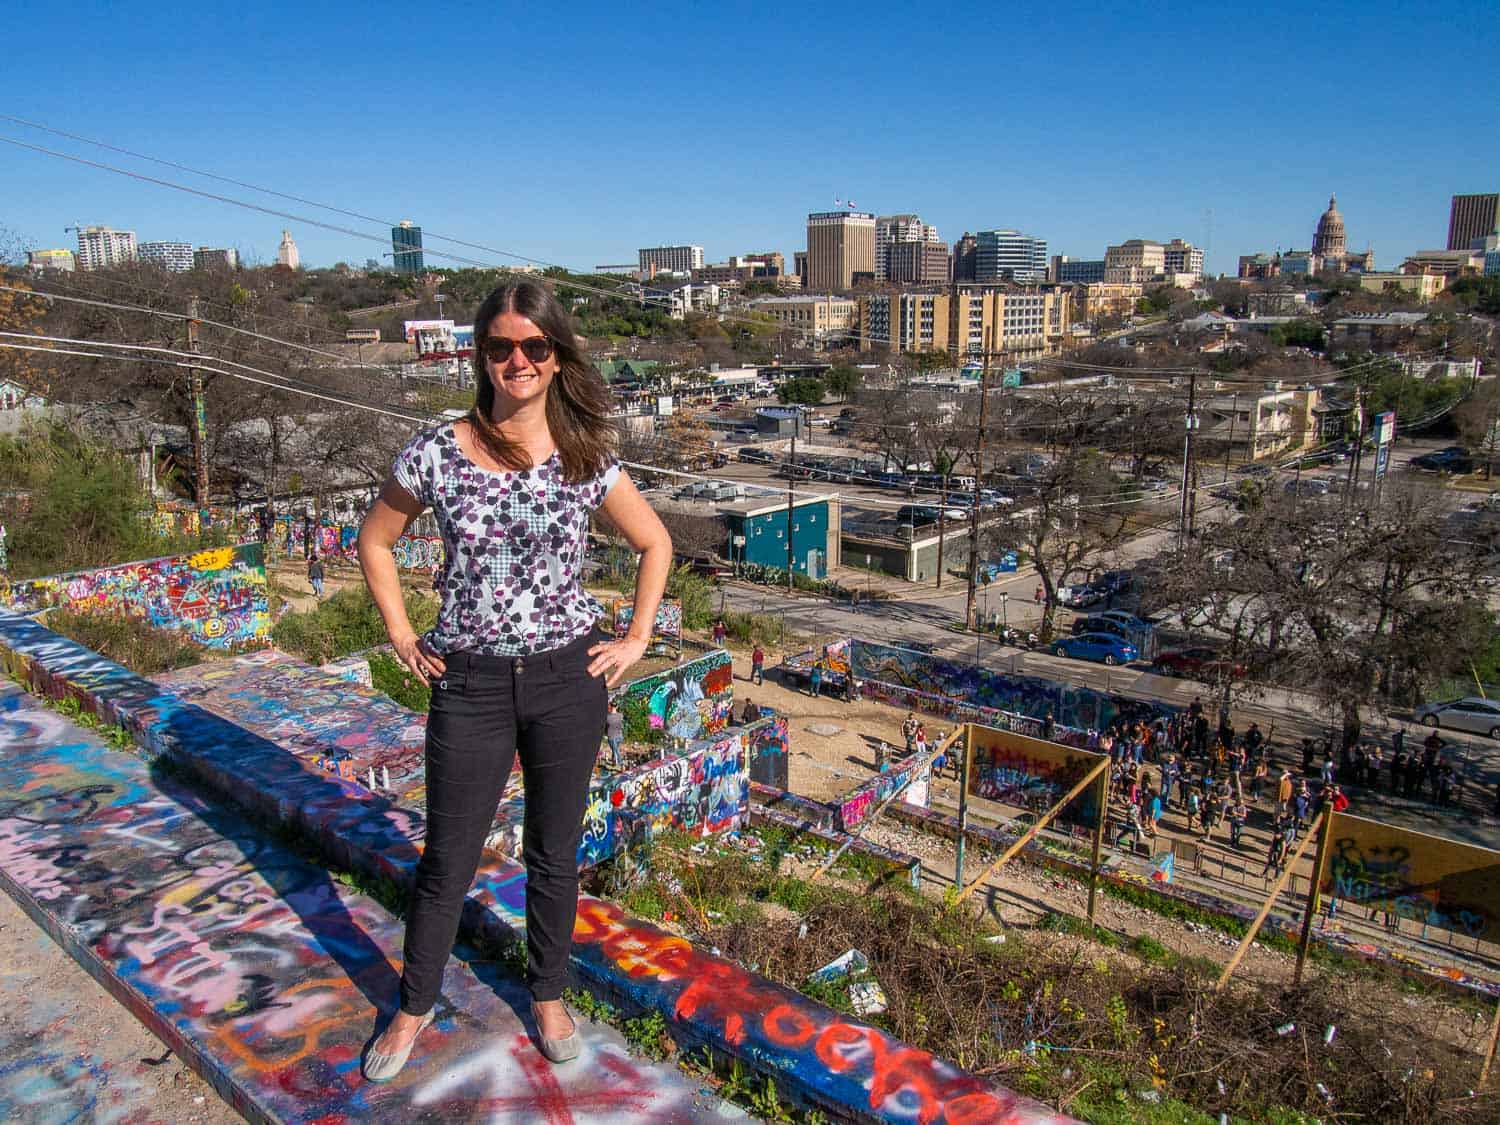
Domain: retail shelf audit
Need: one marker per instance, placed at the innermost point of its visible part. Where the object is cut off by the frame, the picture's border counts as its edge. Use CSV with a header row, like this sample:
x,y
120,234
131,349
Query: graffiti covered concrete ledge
x,y
817,1056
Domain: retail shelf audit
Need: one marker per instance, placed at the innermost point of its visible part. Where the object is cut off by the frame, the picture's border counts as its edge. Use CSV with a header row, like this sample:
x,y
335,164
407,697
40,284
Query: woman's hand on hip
x,y
415,654
612,659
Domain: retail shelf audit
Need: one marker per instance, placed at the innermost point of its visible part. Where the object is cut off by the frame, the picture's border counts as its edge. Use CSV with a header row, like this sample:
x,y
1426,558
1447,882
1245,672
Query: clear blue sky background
x,y
576,133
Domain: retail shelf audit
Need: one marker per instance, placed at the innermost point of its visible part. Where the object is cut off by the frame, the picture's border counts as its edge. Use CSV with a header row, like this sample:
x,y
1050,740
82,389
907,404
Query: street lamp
x,y
1004,617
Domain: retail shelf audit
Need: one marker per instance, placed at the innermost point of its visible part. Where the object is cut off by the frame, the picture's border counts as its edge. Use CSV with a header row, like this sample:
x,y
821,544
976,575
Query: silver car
x,y
1479,716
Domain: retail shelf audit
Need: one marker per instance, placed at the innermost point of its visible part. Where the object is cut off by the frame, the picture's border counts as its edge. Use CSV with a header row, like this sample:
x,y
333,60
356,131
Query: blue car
x,y
1099,647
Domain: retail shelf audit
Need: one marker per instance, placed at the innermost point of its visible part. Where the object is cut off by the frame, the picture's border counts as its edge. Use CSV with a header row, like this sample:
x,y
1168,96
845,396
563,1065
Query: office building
x,y
216,258
40,261
174,257
1181,257
743,269
1095,299
102,246
1009,255
1020,323
1422,286
1471,217
917,263
818,318
964,251
287,255
406,246
1078,271
1134,262
669,259
1260,267
1449,263
892,230
799,265
840,250
905,322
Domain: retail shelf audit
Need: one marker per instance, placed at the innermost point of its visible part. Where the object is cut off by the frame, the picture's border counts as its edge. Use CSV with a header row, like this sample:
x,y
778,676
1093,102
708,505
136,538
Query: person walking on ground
x,y
757,665
515,661
1132,827
1238,814
614,734
921,739
720,631
315,574
1284,792
815,681
1276,852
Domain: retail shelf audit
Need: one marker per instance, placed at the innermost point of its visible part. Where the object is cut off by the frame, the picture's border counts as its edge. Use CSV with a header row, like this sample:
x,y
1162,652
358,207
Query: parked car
x,y
1113,582
1099,647
1200,664
1079,597
1308,486
755,453
1093,623
1472,713
1454,459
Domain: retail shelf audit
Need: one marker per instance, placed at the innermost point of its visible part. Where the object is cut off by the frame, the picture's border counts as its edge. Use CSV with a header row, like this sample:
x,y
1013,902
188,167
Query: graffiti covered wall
x,y
690,701
668,628
970,693
1027,773
217,597
1412,875
768,746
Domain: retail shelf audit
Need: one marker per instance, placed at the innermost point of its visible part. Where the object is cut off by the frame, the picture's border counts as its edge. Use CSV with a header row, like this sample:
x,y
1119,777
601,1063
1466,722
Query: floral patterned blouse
x,y
514,545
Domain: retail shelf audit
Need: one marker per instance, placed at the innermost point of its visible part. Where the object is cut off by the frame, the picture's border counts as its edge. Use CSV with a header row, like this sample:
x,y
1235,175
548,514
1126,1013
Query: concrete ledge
x,y
818,1057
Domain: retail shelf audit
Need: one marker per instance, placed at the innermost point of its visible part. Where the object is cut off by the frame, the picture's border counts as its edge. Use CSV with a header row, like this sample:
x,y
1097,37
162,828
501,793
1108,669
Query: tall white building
x,y
670,259
103,246
890,229
286,253
175,257
1182,257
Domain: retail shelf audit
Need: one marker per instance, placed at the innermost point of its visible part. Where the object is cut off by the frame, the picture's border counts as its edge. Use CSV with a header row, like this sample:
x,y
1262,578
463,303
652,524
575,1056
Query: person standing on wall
x,y
515,660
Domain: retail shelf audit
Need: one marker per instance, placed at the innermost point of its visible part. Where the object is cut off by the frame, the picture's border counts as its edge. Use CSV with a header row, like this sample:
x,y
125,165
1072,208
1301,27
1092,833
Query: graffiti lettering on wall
x,y
668,629
705,791
912,776
216,597
1427,879
970,686
692,700
768,743
1027,773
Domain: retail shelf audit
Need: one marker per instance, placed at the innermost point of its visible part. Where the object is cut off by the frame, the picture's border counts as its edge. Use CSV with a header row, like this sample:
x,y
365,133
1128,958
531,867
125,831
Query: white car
x,y
1473,714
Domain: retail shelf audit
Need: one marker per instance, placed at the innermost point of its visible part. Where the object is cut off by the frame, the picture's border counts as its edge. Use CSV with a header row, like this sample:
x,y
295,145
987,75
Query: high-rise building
x,y
174,257
891,230
1021,322
406,244
1134,261
286,253
102,246
840,249
1471,217
216,258
918,263
964,251
1182,257
40,261
1009,255
799,264
904,322
670,259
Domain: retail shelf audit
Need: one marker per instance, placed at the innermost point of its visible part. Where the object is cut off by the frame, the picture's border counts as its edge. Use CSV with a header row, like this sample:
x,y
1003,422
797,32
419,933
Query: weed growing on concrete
x,y
587,1005
647,1035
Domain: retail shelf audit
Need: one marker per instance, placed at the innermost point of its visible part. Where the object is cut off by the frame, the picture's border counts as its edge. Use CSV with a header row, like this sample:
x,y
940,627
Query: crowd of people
x,y
1219,780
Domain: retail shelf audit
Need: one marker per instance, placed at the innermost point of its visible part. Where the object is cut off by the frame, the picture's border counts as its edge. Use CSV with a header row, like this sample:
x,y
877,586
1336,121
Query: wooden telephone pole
x,y
200,417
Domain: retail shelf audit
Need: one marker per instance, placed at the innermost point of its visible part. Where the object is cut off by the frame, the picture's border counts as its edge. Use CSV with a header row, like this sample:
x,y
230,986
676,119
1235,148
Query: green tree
x,y
1303,333
807,390
844,380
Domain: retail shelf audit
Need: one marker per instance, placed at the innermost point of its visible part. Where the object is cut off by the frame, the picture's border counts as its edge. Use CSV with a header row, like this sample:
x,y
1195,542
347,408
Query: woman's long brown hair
x,y
578,402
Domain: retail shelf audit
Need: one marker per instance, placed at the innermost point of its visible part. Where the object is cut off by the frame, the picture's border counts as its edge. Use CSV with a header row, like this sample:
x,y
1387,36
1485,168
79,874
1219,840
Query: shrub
x,y
126,640
347,622
389,675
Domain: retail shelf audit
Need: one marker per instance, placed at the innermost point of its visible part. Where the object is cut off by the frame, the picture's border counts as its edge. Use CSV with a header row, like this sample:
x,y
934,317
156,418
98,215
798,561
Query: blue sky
x,y
577,133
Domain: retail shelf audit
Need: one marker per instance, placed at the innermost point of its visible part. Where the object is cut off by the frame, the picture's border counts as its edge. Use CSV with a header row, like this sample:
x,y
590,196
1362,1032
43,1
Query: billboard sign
x,y
1385,427
430,338
1382,459
1028,773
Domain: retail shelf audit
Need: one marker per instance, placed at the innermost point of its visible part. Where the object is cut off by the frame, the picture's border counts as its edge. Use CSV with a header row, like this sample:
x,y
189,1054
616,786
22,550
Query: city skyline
x,y
1226,155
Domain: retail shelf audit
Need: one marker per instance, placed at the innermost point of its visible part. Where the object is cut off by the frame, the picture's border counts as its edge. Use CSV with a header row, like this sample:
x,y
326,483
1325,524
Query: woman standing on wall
x,y
515,661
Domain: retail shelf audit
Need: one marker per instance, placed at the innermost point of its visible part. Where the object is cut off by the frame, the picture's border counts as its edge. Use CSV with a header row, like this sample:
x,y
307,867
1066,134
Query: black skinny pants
x,y
484,709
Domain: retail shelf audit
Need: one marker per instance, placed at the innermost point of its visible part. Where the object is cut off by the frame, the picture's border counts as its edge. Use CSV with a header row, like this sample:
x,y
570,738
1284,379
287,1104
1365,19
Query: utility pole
x,y
791,485
984,400
1184,526
200,417
1359,438
1229,447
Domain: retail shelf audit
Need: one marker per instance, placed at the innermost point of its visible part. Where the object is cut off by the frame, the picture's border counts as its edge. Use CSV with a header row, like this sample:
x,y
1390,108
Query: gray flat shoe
x,y
383,1067
558,1050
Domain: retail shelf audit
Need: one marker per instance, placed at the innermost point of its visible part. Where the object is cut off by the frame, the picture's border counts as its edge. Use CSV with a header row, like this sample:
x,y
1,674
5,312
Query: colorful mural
x,y
1427,879
768,744
913,775
817,1055
1027,773
690,701
216,597
666,633
970,693
260,969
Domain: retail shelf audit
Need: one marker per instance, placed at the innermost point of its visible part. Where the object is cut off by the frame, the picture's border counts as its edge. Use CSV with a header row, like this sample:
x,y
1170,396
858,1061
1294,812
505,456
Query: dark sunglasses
x,y
497,349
